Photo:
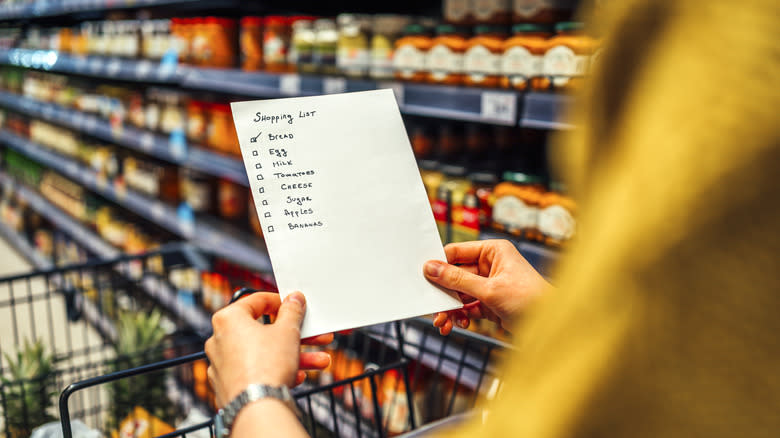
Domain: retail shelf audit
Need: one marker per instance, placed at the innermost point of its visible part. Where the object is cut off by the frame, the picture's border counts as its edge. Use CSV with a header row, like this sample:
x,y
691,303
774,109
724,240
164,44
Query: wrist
x,y
251,396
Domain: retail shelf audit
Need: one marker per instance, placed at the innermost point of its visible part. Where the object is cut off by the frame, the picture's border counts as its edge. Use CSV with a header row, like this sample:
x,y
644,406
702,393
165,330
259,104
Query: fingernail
x,y
297,297
433,269
463,323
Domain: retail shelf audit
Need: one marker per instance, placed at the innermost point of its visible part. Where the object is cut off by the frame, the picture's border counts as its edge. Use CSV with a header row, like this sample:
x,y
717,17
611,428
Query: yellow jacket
x,y
666,320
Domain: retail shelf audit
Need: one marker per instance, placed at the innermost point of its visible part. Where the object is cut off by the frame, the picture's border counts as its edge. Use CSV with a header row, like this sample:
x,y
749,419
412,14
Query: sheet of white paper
x,y
343,208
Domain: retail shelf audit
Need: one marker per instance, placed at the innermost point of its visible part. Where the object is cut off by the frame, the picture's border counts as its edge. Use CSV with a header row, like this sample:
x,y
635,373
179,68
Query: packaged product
x,y
444,60
410,54
482,59
522,57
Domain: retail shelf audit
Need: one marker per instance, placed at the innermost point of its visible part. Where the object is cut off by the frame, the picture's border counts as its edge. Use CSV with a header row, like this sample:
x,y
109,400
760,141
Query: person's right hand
x,y
494,282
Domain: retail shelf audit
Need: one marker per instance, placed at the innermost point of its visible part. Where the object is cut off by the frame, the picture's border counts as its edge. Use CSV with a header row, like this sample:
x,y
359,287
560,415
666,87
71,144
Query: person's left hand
x,y
244,351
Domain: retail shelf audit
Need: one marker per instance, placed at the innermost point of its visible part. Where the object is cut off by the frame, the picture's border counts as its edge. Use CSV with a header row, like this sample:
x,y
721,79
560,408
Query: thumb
x,y
455,278
292,310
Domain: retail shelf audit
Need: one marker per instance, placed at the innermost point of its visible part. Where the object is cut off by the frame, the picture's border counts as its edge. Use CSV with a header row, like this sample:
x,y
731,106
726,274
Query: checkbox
x,y
254,153
271,229
258,166
267,214
265,202
262,190
259,177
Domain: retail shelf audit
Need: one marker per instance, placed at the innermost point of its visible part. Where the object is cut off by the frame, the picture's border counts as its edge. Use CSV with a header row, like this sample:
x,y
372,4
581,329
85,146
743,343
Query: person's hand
x,y
493,280
244,351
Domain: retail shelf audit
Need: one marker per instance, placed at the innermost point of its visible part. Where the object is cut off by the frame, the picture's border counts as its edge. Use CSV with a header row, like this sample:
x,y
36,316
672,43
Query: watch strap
x,y
227,415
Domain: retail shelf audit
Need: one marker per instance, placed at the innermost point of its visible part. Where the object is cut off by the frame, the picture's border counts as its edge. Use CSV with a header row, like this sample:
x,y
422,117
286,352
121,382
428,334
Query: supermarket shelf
x,y
49,8
138,139
539,256
65,223
457,103
494,106
95,66
208,235
160,290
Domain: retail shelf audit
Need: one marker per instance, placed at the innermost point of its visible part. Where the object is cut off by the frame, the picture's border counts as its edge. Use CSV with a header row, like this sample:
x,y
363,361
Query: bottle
x,y
444,60
567,56
523,53
410,53
482,60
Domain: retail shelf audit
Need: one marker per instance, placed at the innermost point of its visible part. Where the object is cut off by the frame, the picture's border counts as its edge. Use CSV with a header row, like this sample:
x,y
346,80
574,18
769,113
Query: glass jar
x,y
386,30
352,54
197,191
521,60
557,224
301,57
325,45
276,43
200,43
444,61
482,60
221,132
232,201
251,43
491,11
516,206
566,57
482,186
448,208
421,139
410,53
457,11
542,11
196,121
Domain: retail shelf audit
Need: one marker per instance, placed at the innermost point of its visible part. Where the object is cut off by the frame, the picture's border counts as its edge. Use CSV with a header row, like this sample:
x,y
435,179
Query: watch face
x,y
219,427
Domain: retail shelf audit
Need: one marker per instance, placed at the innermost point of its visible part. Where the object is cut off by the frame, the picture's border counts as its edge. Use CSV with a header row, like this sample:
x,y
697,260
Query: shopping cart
x,y
384,380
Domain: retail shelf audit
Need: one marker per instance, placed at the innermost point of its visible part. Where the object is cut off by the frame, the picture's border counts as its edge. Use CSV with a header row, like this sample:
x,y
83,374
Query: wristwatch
x,y
223,422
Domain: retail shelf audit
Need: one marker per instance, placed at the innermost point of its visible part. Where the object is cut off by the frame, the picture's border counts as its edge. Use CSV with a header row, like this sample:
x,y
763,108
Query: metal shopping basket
x,y
384,380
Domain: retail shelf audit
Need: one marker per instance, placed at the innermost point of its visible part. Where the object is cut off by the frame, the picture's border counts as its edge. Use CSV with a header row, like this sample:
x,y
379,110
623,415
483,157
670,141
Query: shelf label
x,y
113,67
186,218
168,64
334,85
290,84
147,141
142,69
500,107
95,65
158,212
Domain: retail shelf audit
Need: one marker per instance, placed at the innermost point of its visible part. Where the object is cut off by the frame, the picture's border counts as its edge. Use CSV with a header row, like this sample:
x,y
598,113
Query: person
x,y
663,320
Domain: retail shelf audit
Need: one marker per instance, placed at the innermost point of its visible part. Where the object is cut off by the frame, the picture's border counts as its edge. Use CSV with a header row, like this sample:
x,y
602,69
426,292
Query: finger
x,y
446,328
212,375
466,252
257,304
472,269
440,318
318,340
292,310
316,360
452,277
300,377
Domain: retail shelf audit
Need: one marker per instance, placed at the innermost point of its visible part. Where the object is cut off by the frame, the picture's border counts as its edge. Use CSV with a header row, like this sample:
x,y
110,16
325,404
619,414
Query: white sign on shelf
x,y
334,85
290,84
499,107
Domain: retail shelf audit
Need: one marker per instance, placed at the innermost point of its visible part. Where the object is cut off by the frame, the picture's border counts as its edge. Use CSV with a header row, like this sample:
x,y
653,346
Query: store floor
x,y
23,320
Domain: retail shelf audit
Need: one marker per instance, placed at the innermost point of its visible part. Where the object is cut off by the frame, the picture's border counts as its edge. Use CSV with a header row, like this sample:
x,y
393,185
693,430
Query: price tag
x,y
142,69
113,67
147,141
334,85
158,212
499,107
290,84
398,90
95,65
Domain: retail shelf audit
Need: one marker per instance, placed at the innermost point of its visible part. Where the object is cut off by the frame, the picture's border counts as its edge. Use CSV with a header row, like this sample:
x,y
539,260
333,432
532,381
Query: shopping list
x,y
344,213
